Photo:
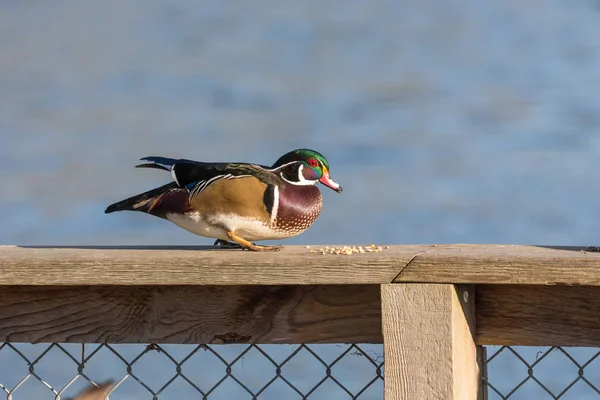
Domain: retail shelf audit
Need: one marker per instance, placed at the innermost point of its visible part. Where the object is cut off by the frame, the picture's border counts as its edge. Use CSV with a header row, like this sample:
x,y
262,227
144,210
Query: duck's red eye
x,y
313,163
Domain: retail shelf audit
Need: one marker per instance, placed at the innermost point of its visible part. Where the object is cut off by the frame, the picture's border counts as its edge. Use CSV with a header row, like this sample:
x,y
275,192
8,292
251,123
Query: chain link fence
x,y
532,373
64,371
270,372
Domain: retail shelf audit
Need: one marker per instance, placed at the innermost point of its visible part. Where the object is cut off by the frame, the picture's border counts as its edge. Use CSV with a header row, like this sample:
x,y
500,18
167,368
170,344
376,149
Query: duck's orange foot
x,y
246,245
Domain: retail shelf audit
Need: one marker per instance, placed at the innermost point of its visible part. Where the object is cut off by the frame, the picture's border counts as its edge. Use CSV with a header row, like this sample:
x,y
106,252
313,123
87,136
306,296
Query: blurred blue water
x,y
445,121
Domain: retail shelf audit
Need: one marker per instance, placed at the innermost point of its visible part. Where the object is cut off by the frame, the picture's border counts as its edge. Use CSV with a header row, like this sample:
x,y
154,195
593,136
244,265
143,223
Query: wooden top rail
x,y
203,295
431,305
296,265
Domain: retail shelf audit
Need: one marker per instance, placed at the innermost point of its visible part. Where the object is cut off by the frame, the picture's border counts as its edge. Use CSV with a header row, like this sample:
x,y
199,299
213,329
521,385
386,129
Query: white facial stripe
x,y
301,180
284,165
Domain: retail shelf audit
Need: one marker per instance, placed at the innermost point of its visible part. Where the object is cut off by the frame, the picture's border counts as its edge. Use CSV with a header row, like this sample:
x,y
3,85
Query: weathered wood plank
x,y
185,314
465,361
506,264
538,315
195,266
429,345
506,314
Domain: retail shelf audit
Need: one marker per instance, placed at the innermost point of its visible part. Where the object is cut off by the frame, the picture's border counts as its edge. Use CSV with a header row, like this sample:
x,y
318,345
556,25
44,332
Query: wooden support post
x,y
429,342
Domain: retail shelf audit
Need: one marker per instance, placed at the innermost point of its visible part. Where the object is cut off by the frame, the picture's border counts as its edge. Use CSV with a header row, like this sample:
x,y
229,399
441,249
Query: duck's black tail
x,y
141,202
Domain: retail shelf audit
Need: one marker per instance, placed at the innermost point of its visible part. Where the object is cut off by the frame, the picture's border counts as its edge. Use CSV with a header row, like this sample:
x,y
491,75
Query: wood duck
x,y
238,202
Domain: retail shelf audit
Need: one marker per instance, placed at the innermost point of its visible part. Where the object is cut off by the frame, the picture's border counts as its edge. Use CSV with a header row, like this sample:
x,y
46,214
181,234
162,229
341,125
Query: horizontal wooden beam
x,y
186,314
297,265
294,265
505,314
523,315
504,264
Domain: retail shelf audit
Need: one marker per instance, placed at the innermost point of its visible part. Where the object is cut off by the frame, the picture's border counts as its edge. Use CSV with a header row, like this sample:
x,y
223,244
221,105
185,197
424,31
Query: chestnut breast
x,y
299,207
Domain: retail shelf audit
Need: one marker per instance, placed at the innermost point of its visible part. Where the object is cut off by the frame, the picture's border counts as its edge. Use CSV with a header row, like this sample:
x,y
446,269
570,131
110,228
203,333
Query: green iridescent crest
x,y
305,155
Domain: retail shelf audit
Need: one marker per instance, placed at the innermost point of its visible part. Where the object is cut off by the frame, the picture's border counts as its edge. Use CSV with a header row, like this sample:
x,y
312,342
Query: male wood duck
x,y
238,202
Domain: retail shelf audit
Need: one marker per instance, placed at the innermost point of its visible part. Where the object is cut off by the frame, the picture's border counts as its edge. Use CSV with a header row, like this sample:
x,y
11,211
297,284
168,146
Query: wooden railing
x,y
431,305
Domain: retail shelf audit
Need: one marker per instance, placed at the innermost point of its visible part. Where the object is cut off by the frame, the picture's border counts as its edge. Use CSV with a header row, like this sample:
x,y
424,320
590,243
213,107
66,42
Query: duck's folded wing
x,y
198,176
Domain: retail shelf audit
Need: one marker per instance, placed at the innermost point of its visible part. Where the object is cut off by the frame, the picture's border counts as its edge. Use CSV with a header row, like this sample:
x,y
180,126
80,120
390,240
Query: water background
x,y
454,121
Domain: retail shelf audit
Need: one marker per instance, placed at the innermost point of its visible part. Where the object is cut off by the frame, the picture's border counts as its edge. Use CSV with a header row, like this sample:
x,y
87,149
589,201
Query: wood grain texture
x,y
538,315
506,264
184,314
465,363
196,266
429,347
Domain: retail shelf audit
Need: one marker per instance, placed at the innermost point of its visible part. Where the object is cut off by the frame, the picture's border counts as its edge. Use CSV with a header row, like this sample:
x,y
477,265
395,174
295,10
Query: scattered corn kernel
x,y
349,250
